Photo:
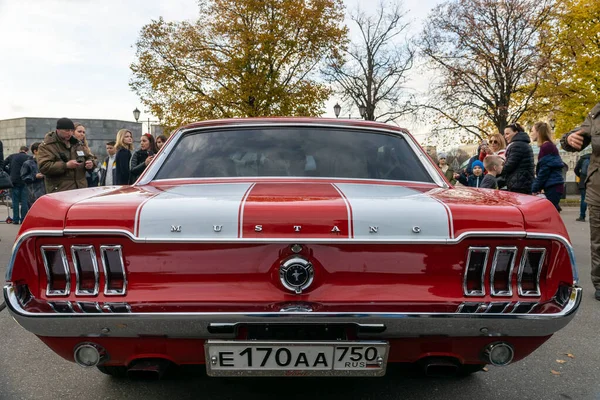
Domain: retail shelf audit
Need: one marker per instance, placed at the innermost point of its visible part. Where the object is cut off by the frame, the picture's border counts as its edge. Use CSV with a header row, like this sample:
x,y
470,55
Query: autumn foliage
x,y
240,58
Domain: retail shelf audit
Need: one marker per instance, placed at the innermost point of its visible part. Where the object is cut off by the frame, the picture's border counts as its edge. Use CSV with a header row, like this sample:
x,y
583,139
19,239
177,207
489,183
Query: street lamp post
x,y
136,115
337,109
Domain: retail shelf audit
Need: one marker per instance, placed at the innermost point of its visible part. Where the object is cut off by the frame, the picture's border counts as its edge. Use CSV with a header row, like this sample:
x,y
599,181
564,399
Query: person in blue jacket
x,y
549,166
473,180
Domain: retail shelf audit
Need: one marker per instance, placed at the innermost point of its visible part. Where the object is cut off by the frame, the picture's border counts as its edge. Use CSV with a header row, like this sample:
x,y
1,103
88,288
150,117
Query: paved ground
x,y
29,370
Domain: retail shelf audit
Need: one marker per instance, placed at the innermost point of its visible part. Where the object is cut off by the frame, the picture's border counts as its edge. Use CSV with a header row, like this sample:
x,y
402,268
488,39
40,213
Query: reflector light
x,y
115,279
86,270
57,271
498,354
530,268
89,354
473,283
502,270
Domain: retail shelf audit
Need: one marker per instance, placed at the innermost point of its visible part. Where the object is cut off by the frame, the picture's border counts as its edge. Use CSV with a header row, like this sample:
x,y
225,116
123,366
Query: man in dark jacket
x,y
577,140
63,159
32,177
581,170
519,165
13,164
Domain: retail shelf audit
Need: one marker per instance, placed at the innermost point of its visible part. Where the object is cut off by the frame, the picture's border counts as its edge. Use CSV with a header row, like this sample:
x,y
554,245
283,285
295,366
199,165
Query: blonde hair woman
x,y
498,144
124,145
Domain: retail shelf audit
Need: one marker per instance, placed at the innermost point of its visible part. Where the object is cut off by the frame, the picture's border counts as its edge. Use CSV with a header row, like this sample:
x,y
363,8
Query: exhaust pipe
x,y
148,369
440,367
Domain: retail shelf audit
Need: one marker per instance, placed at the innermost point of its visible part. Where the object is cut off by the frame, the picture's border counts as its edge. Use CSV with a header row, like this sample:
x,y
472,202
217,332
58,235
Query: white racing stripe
x,y
394,211
196,209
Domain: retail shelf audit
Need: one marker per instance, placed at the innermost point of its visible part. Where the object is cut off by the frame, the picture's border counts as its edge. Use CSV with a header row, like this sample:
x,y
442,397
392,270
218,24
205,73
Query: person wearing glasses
x,y
64,160
577,140
519,167
497,145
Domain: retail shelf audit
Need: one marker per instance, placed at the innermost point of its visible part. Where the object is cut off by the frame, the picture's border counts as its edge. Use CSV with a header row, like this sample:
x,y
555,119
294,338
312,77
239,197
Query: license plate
x,y
251,358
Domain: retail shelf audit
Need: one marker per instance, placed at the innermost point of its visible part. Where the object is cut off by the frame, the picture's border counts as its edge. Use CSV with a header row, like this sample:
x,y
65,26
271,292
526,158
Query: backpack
x,y
584,168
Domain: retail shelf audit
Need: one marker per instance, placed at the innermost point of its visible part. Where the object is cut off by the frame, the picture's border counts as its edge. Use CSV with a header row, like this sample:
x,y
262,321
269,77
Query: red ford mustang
x,y
292,247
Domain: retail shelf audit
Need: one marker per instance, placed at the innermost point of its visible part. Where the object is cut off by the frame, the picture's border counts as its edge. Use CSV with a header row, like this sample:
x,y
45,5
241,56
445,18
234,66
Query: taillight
x,y
502,269
473,283
57,271
86,270
530,268
115,280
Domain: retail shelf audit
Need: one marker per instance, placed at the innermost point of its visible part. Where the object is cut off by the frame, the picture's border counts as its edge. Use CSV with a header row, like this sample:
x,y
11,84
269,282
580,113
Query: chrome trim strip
x,y
509,292
493,303
195,325
481,292
536,292
53,305
95,305
152,170
92,253
498,234
113,292
50,291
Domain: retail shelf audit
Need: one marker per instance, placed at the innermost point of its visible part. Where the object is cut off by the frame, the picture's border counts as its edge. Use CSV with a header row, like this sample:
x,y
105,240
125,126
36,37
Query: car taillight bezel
x,y
481,276
92,255
524,258
104,249
50,291
511,266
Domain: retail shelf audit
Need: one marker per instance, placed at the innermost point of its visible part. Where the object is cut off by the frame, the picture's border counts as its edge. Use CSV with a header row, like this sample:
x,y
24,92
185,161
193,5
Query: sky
x,y
71,57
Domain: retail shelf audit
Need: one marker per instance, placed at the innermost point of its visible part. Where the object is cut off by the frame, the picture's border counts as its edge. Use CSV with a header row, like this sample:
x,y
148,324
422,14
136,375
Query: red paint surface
x,y
314,207
214,277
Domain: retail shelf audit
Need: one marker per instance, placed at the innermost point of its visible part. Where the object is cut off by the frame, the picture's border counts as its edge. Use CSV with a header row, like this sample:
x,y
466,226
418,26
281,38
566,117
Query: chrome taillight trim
x,y
92,251
536,292
63,307
49,291
113,292
481,292
83,306
118,308
493,290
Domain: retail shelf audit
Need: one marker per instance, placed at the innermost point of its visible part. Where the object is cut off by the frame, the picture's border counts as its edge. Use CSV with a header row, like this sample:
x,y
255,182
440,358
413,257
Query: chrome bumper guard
x,y
200,325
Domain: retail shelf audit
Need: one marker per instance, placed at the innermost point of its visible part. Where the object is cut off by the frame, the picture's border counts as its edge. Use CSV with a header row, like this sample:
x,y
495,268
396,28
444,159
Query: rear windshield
x,y
295,152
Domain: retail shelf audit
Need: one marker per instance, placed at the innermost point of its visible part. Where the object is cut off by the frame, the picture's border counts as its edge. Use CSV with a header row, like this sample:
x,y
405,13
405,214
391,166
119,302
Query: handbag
x,y
5,182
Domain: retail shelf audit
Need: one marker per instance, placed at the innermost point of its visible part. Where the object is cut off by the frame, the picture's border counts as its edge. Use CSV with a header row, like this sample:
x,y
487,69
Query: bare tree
x,y
486,54
373,71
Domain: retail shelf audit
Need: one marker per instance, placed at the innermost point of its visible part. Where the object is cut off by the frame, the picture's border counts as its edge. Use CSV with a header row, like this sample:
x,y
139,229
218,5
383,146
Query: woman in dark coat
x,y
142,157
549,167
124,145
518,169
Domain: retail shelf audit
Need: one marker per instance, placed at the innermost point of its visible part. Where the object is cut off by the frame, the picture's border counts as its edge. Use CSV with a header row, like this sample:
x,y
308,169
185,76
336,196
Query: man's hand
x,y
456,176
72,164
39,175
575,140
89,164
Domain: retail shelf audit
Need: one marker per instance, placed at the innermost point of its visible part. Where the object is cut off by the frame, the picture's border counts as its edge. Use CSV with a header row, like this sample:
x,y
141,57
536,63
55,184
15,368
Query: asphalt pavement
x,y
565,367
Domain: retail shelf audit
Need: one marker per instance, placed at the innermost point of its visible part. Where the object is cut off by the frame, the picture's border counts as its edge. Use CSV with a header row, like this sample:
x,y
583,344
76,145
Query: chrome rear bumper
x,y
196,325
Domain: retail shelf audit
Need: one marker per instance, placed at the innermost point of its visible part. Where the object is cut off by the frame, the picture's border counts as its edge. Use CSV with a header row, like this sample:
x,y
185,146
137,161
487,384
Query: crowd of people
x,y
507,162
64,161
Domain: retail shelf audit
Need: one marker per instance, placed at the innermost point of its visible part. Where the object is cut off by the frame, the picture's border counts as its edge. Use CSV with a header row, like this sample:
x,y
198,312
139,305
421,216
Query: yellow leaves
x,y
555,372
561,361
236,50
569,355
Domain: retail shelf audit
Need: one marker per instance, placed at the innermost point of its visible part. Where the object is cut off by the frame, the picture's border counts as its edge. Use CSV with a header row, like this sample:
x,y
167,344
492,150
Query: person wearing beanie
x,y
446,169
63,159
475,179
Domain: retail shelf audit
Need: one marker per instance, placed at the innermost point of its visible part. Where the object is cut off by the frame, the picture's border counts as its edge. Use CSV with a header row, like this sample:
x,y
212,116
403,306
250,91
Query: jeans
x,y
582,205
553,195
20,201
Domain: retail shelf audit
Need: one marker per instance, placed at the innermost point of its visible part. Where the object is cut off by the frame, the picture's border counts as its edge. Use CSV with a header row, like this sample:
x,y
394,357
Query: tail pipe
x,y
440,366
148,369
